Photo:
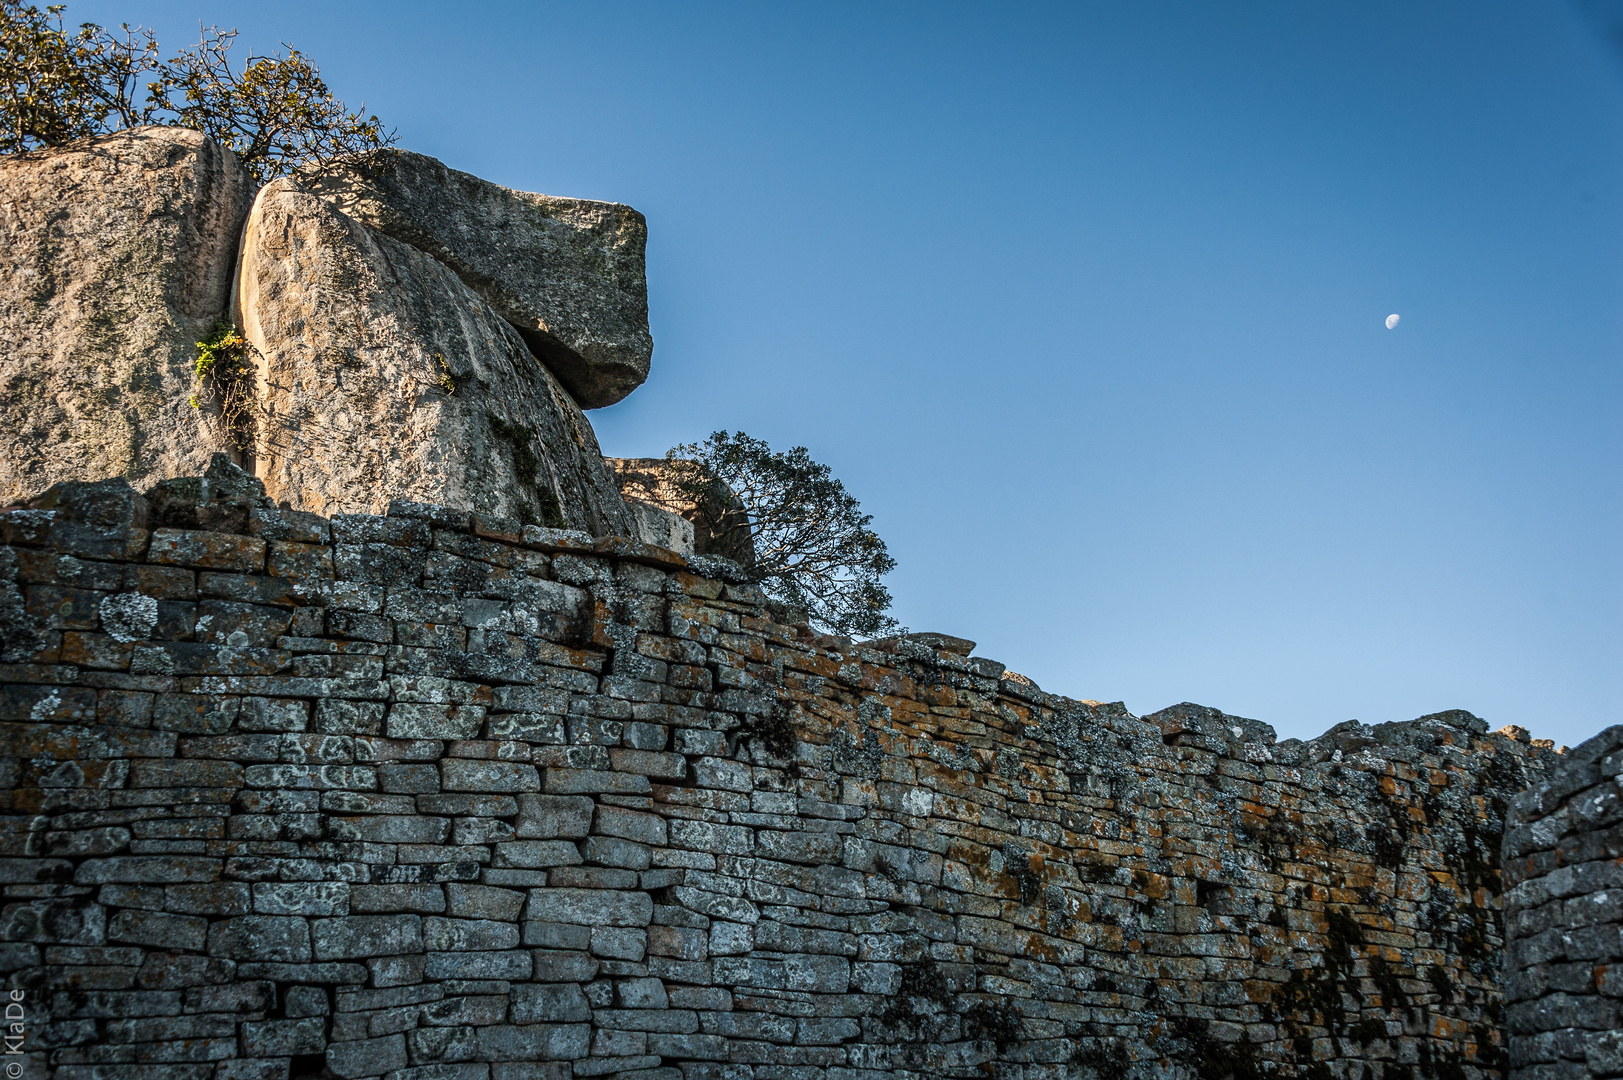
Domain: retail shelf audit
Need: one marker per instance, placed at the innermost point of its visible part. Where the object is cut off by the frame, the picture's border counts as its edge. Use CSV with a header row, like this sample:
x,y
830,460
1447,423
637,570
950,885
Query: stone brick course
x,y
1563,872
434,796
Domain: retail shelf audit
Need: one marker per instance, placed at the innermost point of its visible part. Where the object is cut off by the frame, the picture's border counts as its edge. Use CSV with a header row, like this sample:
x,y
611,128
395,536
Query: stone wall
x,y
1563,865
440,797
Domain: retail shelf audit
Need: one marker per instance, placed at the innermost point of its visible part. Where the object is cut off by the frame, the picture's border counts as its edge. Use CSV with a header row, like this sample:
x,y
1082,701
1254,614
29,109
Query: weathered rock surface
x,y
115,259
662,528
381,375
568,273
957,646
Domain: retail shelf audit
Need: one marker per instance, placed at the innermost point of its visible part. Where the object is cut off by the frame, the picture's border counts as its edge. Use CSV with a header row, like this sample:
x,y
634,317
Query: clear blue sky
x,y
1085,302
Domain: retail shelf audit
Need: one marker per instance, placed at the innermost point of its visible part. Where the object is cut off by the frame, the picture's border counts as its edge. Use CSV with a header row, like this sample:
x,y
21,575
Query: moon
x,y
1392,322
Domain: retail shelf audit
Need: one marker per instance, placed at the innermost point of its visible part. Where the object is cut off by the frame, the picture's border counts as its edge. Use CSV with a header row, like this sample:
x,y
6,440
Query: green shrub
x,y
276,113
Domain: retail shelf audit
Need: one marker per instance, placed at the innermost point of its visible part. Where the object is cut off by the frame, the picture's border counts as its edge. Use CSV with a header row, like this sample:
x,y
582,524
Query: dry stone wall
x,y
1563,864
432,796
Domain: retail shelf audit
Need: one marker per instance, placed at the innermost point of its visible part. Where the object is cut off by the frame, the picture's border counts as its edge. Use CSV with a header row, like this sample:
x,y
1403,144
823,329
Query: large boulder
x,y
381,375
568,273
116,256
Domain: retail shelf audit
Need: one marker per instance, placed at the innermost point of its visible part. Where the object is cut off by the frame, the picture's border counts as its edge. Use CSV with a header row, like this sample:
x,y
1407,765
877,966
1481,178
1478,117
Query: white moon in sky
x,y
1392,322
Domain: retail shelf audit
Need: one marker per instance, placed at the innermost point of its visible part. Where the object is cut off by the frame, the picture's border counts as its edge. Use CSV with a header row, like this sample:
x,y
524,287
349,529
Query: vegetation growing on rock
x,y
225,383
275,112
57,85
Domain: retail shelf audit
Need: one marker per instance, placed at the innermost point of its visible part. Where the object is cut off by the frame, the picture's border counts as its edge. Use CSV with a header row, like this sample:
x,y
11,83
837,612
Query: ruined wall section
x,y
438,797
1563,866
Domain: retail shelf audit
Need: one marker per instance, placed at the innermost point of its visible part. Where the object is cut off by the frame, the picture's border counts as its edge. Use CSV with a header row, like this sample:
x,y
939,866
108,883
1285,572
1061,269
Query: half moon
x,y
1392,322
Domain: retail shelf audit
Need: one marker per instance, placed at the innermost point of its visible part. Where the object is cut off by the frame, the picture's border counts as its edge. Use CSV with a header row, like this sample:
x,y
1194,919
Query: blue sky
x,y
1085,302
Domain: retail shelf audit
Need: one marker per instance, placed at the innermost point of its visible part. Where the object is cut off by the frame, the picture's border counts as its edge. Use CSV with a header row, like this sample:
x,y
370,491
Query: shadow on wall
x,y
1563,870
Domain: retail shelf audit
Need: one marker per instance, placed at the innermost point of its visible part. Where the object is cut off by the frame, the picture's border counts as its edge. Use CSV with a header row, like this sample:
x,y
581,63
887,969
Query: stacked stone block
x,y
435,796
1563,866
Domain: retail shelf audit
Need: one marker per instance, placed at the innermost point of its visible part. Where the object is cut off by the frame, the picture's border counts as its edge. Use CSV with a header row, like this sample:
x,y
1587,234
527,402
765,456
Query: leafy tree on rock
x,y
59,84
812,545
276,113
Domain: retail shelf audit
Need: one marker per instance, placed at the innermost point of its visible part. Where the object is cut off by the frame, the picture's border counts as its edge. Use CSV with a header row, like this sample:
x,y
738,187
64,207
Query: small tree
x,y
57,84
276,113
813,547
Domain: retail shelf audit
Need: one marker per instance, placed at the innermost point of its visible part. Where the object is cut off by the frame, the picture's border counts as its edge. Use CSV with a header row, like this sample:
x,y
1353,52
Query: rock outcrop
x,y
115,258
392,322
381,375
483,788
568,273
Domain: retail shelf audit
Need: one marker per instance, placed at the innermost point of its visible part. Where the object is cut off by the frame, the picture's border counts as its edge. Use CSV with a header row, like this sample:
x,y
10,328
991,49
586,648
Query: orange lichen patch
x,y
1155,886
1448,1029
